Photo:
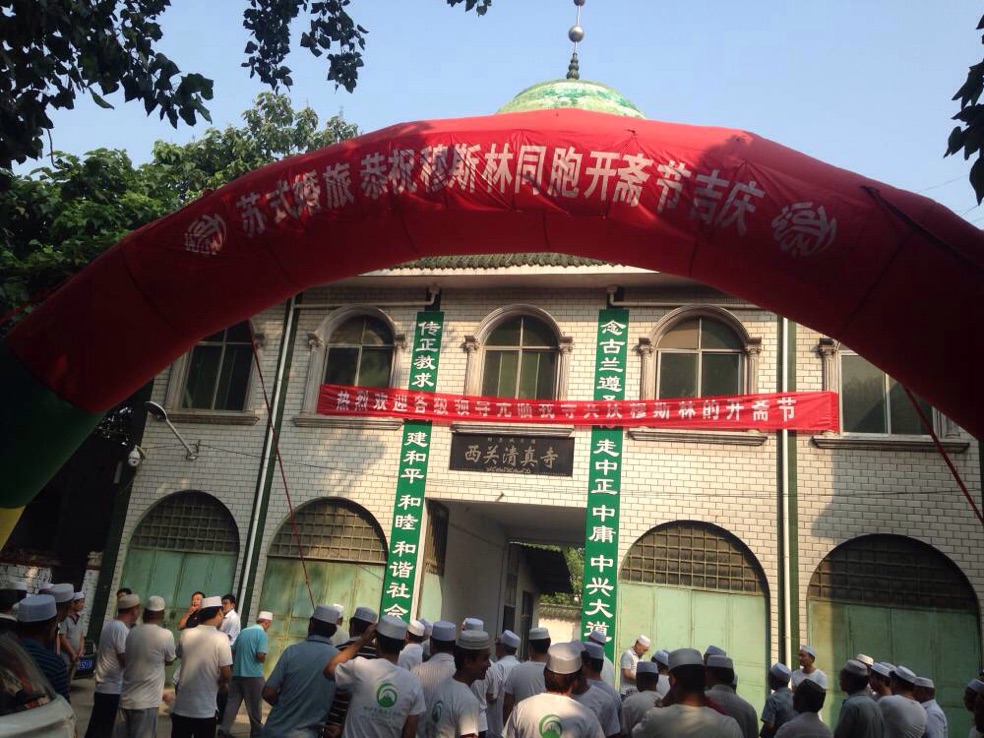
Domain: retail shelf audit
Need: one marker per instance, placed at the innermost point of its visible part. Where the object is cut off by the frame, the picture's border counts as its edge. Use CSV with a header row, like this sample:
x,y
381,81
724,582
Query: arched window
x,y
699,357
332,530
521,358
188,521
360,352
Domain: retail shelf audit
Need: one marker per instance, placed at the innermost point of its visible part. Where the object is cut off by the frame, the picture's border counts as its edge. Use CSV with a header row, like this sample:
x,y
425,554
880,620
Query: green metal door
x,y
285,594
674,617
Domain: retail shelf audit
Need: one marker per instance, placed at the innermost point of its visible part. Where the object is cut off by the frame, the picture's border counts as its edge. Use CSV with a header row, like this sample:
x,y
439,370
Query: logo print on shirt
x,y
551,727
386,695
436,711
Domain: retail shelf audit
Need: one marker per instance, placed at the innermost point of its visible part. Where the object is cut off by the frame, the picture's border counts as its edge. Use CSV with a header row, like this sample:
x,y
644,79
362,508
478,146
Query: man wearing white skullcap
x,y
440,666
149,649
341,633
206,667
553,714
456,710
36,622
807,659
506,646
859,713
386,700
880,679
110,660
904,717
779,705
526,680
603,701
248,655
608,674
360,621
688,715
720,675
636,705
297,688
627,664
413,653
480,688
936,723
808,700
71,634
662,660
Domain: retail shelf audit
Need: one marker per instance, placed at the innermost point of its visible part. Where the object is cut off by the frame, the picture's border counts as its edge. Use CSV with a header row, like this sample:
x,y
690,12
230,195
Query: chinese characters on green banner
x,y
401,564
599,593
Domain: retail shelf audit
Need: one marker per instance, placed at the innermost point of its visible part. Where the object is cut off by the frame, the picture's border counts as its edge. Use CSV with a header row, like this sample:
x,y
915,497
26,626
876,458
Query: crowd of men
x,y
386,678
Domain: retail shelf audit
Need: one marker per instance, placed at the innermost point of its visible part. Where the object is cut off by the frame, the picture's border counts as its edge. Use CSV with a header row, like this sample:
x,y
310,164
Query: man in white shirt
x,y
206,669
904,717
479,688
936,723
720,675
627,664
149,648
440,666
231,624
636,705
413,653
110,660
807,662
386,700
808,700
552,713
506,646
608,673
526,679
688,715
71,634
456,709
603,701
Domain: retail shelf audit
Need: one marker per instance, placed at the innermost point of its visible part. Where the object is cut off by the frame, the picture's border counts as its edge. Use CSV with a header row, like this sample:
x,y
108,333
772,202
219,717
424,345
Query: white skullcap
x,y
974,685
685,657
473,640
714,651
883,668
36,609
473,624
416,628
539,634
662,657
340,608
265,615
925,683
213,601
717,661
646,667
905,674
598,637
327,614
595,650
391,627
855,667
366,614
644,640
62,593
780,671
444,630
127,601
808,649
865,659
155,603
78,596
510,639
563,658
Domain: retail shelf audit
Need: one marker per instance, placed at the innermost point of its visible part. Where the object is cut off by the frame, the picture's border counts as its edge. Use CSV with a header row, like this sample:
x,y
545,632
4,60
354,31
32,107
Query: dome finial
x,y
576,35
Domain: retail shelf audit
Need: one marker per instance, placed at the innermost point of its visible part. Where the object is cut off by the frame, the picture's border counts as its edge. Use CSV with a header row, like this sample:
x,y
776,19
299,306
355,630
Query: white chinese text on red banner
x,y
404,540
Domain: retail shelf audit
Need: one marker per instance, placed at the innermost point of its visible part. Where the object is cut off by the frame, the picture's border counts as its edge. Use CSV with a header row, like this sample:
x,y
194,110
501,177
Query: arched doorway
x,y
691,584
345,554
897,600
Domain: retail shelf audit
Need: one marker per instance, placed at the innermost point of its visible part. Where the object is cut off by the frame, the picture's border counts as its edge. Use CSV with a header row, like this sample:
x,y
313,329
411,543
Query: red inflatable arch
x,y
893,275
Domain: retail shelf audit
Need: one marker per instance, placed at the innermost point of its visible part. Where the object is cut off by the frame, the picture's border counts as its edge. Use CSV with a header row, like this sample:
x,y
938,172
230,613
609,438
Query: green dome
x,y
572,93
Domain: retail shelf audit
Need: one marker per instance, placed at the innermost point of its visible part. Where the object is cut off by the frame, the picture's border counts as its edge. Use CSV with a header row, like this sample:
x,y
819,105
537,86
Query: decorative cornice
x,y
315,420
315,341
514,429
214,417
721,438
874,442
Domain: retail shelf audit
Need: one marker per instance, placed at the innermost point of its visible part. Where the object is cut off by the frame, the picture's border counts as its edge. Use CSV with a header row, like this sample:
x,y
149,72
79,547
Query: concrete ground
x,y
82,690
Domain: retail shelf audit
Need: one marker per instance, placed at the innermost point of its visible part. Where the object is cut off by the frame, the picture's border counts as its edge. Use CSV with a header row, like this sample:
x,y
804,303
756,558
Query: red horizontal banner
x,y
800,411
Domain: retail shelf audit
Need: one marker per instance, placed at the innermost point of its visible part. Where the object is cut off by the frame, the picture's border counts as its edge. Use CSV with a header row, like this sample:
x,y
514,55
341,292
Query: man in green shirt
x,y
248,654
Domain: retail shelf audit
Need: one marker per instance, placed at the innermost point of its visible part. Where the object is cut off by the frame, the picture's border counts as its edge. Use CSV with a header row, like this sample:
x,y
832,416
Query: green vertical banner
x,y
599,590
408,507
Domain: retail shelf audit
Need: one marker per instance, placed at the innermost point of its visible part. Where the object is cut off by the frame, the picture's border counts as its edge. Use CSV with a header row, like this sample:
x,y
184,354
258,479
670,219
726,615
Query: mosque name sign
x,y
512,454
803,411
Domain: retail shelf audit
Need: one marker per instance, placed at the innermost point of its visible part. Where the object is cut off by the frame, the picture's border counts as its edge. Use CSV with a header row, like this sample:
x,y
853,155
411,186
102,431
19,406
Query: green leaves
x,y
969,138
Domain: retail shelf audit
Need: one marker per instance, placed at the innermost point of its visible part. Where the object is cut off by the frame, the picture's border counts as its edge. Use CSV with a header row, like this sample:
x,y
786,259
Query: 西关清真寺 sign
x,y
512,454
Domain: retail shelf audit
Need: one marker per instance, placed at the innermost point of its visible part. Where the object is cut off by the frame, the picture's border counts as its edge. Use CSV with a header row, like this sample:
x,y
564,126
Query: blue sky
x,y
861,84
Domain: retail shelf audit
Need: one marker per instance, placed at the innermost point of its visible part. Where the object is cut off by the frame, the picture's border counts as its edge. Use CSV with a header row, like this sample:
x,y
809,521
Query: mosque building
x,y
851,540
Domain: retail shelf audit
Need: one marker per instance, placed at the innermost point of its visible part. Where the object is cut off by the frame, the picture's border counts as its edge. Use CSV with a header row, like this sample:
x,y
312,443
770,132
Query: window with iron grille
x,y
892,571
331,530
436,545
188,521
695,555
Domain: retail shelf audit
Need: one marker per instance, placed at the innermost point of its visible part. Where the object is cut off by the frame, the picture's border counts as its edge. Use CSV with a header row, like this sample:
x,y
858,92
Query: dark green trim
x,y
39,433
793,503
264,485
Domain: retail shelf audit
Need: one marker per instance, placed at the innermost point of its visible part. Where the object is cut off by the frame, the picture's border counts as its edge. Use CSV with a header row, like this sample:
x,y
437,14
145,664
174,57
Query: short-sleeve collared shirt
x,y
251,641
779,708
860,717
454,712
552,714
304,693
109,670
383,697
635,707
629,660
525,680
203,651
